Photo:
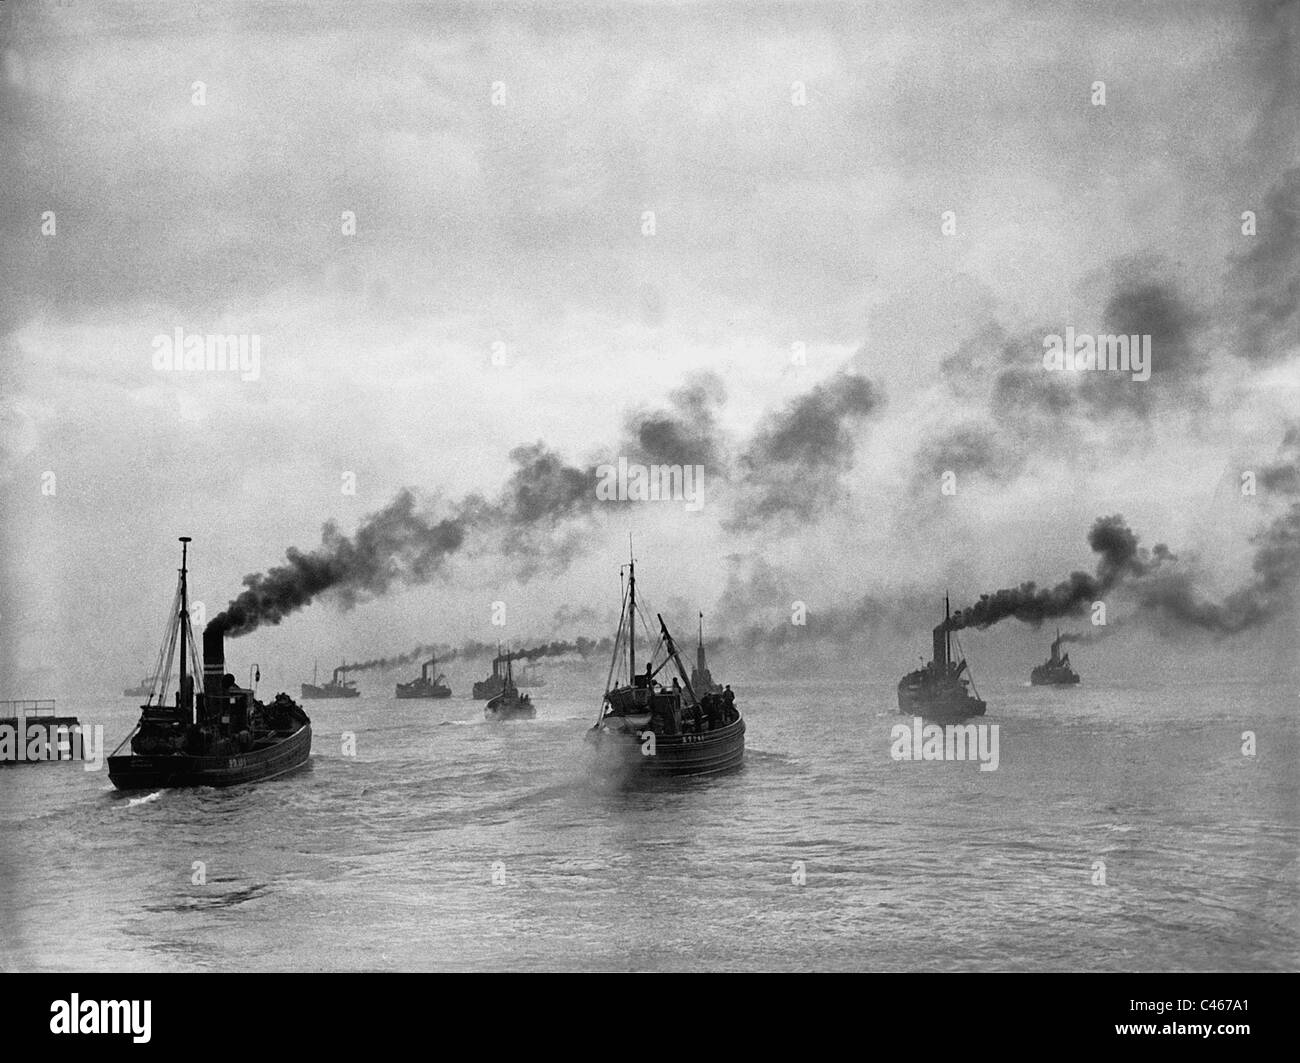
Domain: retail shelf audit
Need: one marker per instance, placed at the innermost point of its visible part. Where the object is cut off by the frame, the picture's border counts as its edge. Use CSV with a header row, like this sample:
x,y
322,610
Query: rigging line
x,y
167,668
162,650
969,670
196,669
163,675
618,642
644,600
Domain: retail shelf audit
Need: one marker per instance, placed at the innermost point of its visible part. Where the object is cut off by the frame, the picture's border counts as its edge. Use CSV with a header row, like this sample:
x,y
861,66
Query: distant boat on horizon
x,y
423,687
1056,670
528,676
940,690
335,688
493,684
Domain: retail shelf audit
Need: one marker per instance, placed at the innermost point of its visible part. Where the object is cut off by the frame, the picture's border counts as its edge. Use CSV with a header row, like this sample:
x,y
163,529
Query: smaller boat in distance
x,y
424,687
701,678
495,683
528,677
940,690
647,729
218,737
1056,670
335,688
509,704
142,691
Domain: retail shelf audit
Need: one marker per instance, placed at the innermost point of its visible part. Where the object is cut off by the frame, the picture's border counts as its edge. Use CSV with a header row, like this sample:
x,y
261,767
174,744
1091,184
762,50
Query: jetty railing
x,y
27,707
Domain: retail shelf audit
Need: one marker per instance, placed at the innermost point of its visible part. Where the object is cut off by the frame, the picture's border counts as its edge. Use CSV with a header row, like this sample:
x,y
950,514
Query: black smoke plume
x,y
1171,596
582,646
1121,557
382,663
1164,590
791,464
396,546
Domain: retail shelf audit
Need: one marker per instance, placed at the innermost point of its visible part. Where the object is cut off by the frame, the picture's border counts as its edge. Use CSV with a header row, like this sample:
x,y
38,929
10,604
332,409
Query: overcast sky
x,y
500,161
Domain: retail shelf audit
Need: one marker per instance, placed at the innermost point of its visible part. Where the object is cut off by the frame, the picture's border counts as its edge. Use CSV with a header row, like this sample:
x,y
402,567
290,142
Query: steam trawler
x,y
509,704
653,730
941,690
423,687
1056,670
220,736
142,691
335,688
528,677
495,683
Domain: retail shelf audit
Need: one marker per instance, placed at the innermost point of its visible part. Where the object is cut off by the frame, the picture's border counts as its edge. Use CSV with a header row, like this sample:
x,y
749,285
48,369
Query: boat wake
x,y
144,800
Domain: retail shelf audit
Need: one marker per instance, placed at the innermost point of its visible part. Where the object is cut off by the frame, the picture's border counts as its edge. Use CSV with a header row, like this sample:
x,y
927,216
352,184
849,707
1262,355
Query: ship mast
x,y
631,621
184,614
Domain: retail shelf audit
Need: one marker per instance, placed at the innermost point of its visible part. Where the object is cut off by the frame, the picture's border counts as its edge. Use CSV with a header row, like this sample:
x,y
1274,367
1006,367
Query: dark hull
x,y
136,772
515,710
944,707
319,693
709,753
1048,678
425,692
487,689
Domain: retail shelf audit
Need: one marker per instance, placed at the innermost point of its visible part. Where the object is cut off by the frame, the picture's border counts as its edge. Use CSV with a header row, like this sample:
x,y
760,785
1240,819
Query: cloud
x,y
686,432
792,465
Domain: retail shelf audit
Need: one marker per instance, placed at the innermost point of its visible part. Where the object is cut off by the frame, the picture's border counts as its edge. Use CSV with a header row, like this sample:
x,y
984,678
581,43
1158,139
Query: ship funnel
x,y
941,647
214,662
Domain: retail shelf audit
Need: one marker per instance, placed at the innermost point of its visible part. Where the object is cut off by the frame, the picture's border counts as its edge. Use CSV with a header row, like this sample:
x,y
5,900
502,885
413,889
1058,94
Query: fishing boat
x,y
528,677
335,688
142,691
650,729
496,682
941,690
423,687
1056,670
701,678
219,736
509,704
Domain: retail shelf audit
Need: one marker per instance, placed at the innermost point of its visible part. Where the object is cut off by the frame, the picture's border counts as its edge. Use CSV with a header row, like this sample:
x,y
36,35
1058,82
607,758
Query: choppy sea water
x,y
450,843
